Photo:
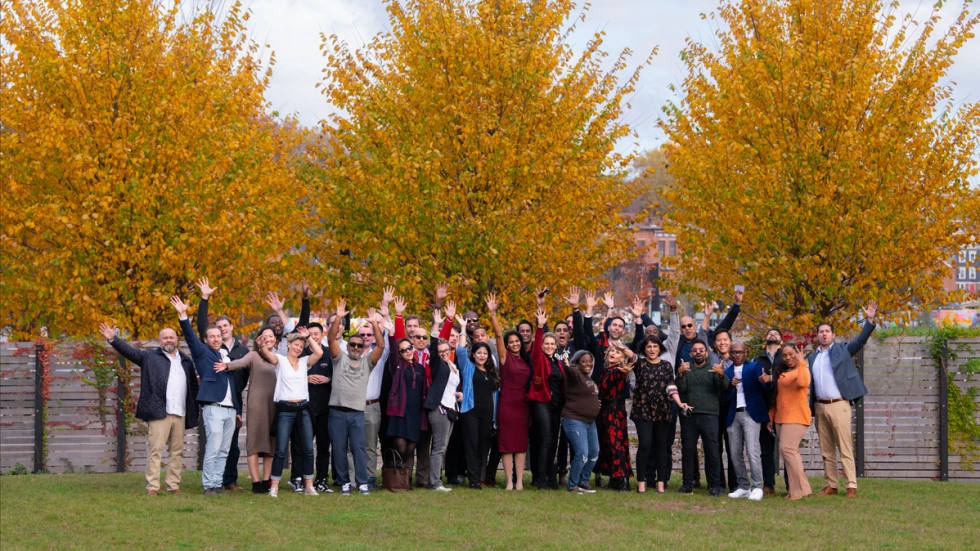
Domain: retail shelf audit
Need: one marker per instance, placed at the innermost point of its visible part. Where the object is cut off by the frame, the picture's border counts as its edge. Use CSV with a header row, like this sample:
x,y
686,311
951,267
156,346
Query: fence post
x,y
944,414
38,407
121,418
859,422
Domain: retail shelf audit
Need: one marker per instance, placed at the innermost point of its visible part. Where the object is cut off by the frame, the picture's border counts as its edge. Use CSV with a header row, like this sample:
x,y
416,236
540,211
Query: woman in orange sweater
x,y
791,413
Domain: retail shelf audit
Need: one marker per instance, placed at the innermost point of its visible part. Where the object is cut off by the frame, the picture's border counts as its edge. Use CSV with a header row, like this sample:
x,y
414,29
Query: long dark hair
x,y
777,371
490,367
255,341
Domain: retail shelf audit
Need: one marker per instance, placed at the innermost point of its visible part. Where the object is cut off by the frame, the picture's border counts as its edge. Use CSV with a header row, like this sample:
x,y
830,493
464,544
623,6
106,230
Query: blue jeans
x,y
219,426
584,439
284,428
347,427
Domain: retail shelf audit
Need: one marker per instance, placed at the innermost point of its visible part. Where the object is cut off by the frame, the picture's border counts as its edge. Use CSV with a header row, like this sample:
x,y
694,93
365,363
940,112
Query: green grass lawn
x,y
106,511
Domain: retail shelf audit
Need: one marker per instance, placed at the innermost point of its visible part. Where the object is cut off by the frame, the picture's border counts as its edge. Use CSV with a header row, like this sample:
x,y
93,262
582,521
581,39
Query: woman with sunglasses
x,y
405,419
614,448
513,414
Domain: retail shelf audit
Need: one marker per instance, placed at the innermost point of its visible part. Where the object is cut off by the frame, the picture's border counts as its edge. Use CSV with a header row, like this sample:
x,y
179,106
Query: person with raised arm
x,y
513,413
442,401
168,387
546,398
405,392
348,396
614,446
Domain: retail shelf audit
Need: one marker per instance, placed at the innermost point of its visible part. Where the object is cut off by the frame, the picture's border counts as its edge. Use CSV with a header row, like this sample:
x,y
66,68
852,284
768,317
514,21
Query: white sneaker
x,y
739,493
310,491
443,489
755,494
274,492
364,489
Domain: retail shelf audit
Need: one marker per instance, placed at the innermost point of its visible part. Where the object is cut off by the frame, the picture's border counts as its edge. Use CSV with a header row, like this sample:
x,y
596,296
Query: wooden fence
x,y
898,432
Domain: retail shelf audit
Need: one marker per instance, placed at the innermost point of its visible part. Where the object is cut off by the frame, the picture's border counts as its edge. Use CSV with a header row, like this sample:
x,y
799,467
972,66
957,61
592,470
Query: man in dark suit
x,y
836,384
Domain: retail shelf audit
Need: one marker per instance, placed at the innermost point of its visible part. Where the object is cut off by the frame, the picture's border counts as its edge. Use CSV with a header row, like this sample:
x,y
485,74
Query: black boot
x,y
258,488
266,486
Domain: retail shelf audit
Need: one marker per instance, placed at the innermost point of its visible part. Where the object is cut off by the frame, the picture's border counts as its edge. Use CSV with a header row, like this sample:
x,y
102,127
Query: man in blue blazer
x,y
220,404
747,413
836,384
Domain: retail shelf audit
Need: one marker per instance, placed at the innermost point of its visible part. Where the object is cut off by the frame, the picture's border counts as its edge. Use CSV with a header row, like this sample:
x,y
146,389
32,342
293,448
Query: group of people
x,y
450,400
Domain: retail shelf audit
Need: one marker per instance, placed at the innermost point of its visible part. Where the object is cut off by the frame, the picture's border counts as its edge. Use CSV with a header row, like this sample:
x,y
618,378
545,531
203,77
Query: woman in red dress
x,y
513,413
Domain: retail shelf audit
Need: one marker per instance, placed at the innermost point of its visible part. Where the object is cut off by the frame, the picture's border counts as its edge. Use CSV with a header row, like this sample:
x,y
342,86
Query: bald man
x,y
168,387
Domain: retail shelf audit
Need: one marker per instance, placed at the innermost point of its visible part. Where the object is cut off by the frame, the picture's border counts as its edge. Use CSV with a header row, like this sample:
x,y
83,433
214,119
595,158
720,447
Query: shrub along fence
x,y
63,409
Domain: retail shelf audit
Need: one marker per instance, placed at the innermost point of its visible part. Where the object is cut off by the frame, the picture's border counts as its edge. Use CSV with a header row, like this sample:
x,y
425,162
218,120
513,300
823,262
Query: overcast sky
x,y
292,29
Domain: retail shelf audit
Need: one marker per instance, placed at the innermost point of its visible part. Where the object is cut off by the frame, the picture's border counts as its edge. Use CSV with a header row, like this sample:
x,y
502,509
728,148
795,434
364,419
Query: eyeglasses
x,y
739,352
446,351
355,345
472,320
686,325
365,335
698,351
404,350
418,336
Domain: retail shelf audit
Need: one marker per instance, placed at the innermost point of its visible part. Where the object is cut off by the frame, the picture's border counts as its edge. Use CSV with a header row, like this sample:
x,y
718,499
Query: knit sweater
x,y
699,388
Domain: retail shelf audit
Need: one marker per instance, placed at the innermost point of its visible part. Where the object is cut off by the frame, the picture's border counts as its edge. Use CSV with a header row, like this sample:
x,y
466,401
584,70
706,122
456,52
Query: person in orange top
x,y
791,413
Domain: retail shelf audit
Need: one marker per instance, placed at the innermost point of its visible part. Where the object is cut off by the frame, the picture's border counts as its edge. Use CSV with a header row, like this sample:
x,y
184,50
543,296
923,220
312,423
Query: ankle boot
x,y
266,486
258,488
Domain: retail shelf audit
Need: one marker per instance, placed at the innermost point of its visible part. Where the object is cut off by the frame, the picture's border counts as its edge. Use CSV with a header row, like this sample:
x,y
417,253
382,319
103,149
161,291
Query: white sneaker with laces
x,y
443,489
310,492
755,494
739,493
274,492
363,488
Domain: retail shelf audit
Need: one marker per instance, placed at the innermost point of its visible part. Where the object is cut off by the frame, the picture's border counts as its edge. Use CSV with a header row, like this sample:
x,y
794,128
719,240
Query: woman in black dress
x,y
614,448
480,385
408,387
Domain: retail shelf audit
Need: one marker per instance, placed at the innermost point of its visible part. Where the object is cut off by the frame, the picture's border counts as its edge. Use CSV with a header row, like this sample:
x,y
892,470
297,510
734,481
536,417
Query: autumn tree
x,y
474,145
820,160
136,156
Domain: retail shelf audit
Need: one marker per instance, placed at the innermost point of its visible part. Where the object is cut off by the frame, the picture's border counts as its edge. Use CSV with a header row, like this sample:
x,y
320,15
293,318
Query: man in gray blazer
x,y
836,384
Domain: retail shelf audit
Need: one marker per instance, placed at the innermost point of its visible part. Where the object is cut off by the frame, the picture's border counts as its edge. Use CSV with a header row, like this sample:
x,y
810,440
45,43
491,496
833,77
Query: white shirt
x,y
824,382
176,387
374,381
291,384
739,392
227,401
449,394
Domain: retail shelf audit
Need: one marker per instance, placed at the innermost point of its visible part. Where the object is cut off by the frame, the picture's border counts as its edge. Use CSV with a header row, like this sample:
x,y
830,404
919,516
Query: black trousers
x,y
726,454
455,458
230,476
476,436
561,462
705,427
672,436
653,443
545,420
493,462
321,438
767,442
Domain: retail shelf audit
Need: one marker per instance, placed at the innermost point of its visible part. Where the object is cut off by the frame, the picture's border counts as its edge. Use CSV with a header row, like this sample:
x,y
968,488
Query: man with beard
x,y
168,386
699,386
770,356
230,350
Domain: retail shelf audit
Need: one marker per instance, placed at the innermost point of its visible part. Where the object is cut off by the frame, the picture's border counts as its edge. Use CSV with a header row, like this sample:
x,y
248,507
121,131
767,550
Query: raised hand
x,y
492,302
108,332
274,302
437,318
542,317
573,296
442,291
636,308
303,332
709,308
451,310
306,288
388,295
539,295
399,306
870,311
738,296
373,316
206,289
590,302
718,369
670,301
179,306
607,299
341,308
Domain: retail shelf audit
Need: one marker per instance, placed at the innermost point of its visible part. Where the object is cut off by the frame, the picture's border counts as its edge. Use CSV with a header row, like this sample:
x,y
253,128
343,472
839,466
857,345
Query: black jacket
x,y
154,375
440,376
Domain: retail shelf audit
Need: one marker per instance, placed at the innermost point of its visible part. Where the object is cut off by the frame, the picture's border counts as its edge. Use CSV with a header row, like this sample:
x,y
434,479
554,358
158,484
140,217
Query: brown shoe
x,y
828,491
852,493
768,491
175,491
151,492
233,487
